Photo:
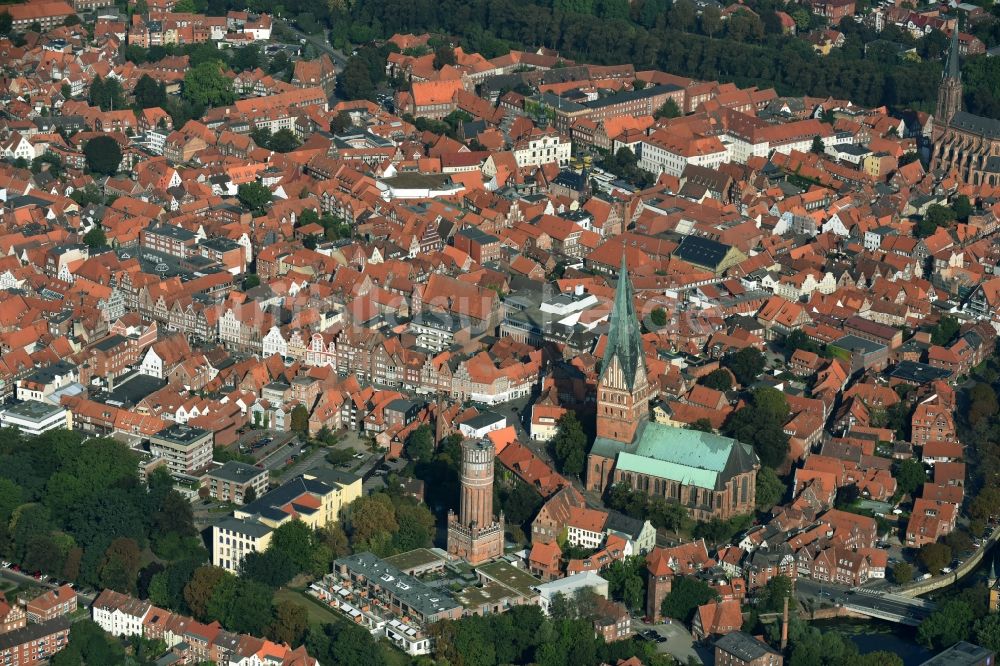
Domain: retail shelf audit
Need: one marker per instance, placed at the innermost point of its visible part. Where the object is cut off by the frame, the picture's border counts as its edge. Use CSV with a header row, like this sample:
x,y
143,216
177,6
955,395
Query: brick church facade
x,y
710,475
963,143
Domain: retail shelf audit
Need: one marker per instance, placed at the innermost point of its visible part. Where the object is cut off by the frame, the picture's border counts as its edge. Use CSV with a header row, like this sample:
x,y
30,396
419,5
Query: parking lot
x,y
673,639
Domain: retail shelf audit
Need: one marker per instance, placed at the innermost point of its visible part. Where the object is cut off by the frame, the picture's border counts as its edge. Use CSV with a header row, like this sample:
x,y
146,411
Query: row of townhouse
x,y
188,640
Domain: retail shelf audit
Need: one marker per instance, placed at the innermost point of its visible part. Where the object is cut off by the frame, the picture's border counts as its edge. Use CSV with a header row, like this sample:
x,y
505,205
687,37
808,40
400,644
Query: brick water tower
x,y
474,534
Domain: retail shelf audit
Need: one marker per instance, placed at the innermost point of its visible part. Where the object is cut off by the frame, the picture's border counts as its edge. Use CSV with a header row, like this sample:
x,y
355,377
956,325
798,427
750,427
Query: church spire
x,y
624,338
953,70
949,100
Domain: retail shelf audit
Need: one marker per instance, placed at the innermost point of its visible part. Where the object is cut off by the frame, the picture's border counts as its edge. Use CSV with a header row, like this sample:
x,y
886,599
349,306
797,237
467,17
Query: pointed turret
x,y
624,337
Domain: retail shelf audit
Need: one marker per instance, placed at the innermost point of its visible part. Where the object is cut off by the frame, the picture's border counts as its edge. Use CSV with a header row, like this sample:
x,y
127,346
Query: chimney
x,y
784,626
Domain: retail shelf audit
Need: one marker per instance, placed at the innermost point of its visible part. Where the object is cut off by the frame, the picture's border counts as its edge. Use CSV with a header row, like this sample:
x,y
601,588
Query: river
x,y
875,635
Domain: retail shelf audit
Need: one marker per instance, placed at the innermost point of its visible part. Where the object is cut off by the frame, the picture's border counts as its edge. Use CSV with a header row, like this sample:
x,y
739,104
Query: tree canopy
x,y
206,85
569,446
254,196
760,423
75,508
686,594
103,155
746,365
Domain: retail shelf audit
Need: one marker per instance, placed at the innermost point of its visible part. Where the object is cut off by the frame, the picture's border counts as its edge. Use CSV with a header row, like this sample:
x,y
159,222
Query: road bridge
x,y
886,606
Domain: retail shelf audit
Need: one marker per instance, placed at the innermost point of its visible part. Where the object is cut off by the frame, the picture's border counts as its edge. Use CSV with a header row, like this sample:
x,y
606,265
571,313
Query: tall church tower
x,y
623,389
474,534
949,100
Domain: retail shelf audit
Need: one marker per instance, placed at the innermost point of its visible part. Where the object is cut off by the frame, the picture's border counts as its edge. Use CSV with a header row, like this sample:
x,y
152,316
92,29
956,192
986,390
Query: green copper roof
x,y
624,338
692,457
953,64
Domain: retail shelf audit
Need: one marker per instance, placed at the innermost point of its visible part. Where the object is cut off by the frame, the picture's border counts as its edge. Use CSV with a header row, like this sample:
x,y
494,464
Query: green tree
x,y
962,207
950,623
745,364
985,504
910,476
356,81
760,424
519,502
902,573
297,540
682,15
934,557
334,539
247,58
200,589
625,581
254,196
983,404
945,330
88,644
711,20
120,565
420,444
770,489
719,379
658,316
668,109
250,281
686,594
273,567
149,93
95,238
103,155
416,525
817,146
371,522
242,606
289,624
771,599
341,123
6,23
797,339
11,497
344,645
936,216
444,55
569,444
207,85
300,420
284,141
987,632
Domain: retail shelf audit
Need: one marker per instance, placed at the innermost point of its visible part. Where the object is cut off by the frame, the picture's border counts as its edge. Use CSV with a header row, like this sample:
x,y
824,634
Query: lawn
x,y
319,614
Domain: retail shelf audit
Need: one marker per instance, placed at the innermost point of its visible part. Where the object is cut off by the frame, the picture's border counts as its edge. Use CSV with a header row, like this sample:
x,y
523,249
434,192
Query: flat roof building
x,y
403,594
568,586
232,481
185,448
34,417
962,653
